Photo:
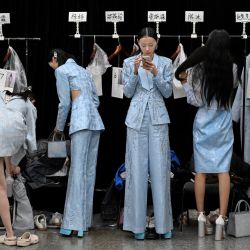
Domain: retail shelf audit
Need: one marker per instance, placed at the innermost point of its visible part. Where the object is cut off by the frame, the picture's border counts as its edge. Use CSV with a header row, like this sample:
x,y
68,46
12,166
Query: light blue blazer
x,y
142,97
84,113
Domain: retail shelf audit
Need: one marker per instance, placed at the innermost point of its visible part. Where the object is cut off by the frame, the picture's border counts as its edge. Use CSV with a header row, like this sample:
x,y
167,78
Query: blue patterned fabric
x,y
147,147
212,132
84,113
162,87
78,207
85,127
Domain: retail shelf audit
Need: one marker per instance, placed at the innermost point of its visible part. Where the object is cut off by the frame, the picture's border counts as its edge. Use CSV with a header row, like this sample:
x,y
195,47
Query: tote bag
x,y
239,221
57,148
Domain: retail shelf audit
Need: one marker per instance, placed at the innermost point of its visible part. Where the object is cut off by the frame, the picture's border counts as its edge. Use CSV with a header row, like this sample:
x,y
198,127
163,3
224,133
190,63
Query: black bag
x,y
110,203
42,148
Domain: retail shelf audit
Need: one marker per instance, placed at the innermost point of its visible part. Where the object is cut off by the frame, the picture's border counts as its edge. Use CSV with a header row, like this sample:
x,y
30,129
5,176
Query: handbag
x,y
239,221
57,149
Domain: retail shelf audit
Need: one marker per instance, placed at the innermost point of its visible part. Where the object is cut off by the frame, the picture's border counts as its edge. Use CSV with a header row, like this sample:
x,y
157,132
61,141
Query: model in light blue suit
x,y
76,91
147,81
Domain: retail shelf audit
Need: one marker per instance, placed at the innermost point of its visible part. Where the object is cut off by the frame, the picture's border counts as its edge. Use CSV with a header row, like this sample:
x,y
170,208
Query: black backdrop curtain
x,y
49,21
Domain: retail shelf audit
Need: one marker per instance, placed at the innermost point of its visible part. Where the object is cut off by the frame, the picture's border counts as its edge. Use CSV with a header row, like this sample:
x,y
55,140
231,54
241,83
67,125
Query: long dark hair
x,y
214,68
26,94
61,56
147,31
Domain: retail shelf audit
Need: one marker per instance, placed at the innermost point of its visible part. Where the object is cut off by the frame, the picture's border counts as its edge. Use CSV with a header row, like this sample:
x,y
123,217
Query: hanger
x,y
116,52
93,50
7,55
119,48
202,43
135,48
178,49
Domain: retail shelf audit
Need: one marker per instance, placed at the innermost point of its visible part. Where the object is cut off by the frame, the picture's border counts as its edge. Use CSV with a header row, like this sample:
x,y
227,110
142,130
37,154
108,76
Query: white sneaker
x,y
56,219
40,222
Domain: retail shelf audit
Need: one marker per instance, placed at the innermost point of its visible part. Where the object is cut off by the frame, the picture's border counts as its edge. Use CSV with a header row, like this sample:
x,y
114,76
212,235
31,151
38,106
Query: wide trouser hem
x,y
134,230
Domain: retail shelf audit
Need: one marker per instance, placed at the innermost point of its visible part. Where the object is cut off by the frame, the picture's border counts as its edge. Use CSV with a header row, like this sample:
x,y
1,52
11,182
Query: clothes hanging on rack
x,y
14,63
134,50
178,90
176,53
117,86
119,48
98,67
237,110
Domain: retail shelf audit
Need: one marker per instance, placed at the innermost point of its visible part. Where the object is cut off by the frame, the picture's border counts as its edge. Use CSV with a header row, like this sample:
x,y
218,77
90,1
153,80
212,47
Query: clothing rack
x,y
170,36
188,36
26,39
133,36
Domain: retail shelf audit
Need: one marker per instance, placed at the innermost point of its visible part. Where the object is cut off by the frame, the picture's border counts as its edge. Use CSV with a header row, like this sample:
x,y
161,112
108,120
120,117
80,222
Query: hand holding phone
x,y
146,58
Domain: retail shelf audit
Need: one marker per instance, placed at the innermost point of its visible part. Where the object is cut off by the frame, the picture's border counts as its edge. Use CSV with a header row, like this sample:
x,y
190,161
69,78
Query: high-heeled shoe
x,y
65,232
201,224
81,234
68,232
220,228
139,236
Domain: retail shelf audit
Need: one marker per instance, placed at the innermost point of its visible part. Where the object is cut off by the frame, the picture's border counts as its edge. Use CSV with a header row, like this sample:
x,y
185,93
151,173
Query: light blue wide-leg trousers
x,y
81,181
147,153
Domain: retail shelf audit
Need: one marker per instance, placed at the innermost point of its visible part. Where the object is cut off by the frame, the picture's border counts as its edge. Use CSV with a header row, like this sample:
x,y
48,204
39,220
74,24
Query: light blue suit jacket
x,y
84,113
153,98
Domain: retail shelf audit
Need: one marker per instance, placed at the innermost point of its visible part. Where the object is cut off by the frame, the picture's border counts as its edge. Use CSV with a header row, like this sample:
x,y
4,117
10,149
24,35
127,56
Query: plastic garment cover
x,y
178,90
98,67
14,63
100,63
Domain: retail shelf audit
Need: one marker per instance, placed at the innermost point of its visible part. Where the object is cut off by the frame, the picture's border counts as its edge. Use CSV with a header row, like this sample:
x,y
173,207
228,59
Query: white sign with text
x,y
114,16
194,16
78,17
157,16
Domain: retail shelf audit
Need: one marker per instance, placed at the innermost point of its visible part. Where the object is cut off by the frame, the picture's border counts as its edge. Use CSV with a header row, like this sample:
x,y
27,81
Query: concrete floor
x,y
108,237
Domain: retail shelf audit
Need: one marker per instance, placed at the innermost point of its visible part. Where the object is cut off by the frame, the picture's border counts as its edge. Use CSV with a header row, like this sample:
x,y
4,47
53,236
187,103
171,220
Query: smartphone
x,y
146,58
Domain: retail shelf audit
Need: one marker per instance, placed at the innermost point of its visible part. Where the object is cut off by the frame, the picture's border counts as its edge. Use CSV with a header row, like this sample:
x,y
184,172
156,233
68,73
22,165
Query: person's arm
x,y
193,95
63,92
164,80
130,78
